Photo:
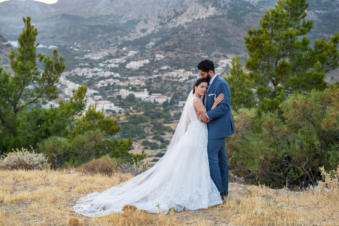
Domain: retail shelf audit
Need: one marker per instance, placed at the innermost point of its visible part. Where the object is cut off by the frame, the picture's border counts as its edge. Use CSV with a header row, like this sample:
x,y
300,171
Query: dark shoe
x,y
223,195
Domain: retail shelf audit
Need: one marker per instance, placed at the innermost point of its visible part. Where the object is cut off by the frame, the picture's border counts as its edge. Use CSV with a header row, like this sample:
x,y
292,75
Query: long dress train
x,y
180,179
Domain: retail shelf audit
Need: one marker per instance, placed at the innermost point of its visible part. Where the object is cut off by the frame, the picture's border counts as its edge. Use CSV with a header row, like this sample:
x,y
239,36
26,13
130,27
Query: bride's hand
x,y
218,100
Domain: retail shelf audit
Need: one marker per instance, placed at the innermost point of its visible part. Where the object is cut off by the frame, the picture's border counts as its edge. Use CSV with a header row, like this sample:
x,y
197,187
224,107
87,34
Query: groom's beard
x,y
208,78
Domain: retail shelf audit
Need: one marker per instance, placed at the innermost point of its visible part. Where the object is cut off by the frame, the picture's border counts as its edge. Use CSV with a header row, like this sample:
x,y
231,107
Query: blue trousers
x,y
218,163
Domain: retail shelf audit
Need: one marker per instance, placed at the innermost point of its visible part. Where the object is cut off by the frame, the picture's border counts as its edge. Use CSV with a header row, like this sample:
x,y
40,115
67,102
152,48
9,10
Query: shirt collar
x,y
213,79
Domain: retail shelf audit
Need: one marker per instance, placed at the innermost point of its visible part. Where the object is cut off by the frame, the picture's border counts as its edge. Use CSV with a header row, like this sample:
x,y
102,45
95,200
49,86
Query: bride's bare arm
x,y
199,107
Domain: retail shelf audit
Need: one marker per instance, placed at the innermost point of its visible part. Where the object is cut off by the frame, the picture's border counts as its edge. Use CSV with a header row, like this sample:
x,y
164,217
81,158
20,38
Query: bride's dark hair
x,y
198,82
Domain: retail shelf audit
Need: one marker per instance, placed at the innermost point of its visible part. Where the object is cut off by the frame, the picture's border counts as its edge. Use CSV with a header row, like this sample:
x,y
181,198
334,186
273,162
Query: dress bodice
x,y
192,115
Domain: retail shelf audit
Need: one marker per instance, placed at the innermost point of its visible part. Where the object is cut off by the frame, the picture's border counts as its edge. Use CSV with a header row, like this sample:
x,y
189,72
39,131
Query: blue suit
x,y
221,125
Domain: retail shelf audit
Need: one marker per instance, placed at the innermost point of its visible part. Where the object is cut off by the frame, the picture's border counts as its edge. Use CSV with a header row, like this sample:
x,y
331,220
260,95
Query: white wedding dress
x,y
180,179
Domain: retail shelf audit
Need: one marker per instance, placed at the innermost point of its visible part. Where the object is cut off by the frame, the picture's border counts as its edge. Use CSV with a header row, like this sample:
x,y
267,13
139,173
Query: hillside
x,y
46,197
193,26
181,32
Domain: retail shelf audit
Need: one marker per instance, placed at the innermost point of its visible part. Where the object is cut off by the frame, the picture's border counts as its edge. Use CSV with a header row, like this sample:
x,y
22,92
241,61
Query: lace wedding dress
x,y
180,179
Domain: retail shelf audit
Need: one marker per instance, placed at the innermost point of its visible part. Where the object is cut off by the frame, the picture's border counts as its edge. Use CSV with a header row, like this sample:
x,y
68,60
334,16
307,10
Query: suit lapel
x,y
210,90
213,84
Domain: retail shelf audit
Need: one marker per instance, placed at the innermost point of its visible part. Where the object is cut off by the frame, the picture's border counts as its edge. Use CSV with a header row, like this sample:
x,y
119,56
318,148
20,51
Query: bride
x,y
180,179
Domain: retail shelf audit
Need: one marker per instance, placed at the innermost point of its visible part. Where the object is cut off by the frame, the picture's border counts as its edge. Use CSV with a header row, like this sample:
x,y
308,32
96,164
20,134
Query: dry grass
x,y
46,197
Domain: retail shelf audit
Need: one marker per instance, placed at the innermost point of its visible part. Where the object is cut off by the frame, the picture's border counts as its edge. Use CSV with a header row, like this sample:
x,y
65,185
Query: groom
x,y
220,125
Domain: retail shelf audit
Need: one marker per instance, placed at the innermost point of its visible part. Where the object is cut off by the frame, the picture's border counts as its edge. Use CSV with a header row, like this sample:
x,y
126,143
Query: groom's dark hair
x,y
206,65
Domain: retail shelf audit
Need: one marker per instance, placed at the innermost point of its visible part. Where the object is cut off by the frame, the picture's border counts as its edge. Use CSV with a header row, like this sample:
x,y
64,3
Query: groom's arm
x,y
223,107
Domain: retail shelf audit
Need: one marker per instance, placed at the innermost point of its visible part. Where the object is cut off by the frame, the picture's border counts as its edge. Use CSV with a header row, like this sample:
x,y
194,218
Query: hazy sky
x,y
45,1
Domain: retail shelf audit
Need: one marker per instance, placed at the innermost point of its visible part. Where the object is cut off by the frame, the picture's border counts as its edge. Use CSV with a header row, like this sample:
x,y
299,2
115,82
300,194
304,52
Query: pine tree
x,y
27,86
241,86
281,60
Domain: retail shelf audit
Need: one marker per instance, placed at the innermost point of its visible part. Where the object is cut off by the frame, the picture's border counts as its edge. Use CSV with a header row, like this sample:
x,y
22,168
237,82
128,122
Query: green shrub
x,y
287,148
57,150
63,152
159,154
150,145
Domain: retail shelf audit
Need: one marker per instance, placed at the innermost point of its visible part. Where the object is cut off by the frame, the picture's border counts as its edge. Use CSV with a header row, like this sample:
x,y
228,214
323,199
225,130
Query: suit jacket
x,y
221,123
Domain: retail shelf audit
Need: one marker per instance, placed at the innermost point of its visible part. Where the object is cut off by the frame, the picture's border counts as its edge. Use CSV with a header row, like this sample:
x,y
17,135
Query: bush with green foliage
x,y
287,148
150,145
90,136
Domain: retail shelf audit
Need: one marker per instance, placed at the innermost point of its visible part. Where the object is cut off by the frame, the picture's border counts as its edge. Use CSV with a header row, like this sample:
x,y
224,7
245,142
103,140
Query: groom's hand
x,y
204,118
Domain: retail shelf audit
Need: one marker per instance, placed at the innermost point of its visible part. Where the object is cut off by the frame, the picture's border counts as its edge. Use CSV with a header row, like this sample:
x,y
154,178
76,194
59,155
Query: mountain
x,y
91,22
184,30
